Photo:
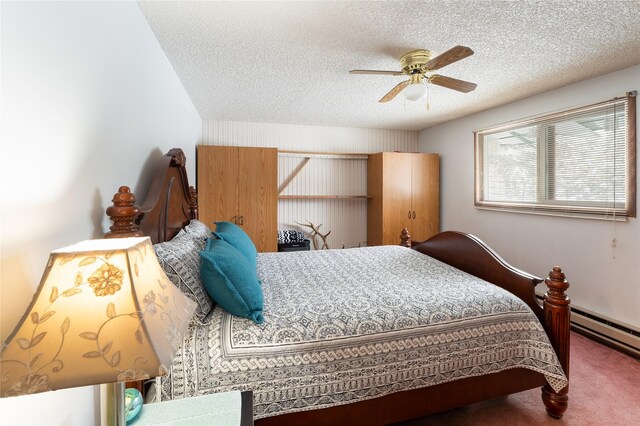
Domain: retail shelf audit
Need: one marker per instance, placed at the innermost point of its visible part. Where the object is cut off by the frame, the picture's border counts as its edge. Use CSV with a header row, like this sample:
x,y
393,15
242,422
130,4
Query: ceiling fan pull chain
x,y
427,86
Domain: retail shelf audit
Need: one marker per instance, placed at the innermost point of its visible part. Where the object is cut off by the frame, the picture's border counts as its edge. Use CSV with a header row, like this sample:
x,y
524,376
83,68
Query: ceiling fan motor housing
x,y
414,62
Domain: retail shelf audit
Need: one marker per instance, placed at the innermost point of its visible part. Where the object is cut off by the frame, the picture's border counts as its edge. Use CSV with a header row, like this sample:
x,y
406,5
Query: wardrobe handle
x,y
241,220
409,216
414,214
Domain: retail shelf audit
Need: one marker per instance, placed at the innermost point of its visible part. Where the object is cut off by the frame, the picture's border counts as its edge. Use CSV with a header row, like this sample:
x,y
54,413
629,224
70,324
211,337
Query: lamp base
x,y
112,404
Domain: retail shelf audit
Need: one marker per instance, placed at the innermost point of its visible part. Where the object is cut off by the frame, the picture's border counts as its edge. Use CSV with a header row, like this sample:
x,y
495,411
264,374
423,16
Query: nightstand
x,y
227,408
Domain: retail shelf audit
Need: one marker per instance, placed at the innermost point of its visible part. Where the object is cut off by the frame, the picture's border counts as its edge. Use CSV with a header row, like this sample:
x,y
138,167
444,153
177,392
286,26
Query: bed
x,y
368,350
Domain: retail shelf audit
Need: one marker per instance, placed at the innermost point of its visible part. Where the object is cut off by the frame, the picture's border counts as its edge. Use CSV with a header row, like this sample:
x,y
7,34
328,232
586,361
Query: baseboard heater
x,y
606,330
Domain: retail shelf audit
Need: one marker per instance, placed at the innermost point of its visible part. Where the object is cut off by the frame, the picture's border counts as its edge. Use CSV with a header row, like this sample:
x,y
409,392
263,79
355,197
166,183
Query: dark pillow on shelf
x,y
181,263
231,280
238,239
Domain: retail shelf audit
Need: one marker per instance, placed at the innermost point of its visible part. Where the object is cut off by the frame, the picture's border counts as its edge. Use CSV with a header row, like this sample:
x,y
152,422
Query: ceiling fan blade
x,y
393,92
450,56
452,83
378,72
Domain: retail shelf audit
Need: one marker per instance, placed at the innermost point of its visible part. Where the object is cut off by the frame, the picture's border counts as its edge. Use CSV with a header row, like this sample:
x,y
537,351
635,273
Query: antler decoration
x,y
315,232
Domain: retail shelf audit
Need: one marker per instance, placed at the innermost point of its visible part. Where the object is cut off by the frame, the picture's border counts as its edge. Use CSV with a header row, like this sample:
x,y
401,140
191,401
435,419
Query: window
x,y
580,162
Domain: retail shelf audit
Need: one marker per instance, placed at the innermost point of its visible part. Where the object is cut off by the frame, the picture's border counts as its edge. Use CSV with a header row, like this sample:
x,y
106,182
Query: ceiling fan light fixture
x,y
415,92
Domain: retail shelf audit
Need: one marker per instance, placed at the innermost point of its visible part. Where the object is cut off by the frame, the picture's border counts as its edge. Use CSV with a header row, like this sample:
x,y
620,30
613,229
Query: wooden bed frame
x,y
171,203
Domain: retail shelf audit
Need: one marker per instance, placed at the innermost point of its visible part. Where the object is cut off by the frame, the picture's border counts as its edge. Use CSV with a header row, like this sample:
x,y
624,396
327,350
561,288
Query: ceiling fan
x,y
417,64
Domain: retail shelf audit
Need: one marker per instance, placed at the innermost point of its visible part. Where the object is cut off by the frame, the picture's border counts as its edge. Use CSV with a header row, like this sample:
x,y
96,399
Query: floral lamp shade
x,y
104,312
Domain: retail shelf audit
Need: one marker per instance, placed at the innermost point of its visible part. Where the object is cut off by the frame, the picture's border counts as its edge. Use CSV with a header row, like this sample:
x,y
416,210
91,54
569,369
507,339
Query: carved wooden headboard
x,y
170,204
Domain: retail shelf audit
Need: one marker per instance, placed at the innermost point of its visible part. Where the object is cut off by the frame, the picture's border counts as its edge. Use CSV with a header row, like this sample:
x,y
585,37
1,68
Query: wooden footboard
x,y
470,254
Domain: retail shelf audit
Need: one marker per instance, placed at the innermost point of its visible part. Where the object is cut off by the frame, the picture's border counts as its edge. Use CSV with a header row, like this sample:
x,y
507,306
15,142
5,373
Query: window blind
x,y
579,162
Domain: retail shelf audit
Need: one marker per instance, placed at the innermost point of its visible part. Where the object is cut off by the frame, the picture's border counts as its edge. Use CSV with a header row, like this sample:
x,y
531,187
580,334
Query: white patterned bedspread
x,y
348,325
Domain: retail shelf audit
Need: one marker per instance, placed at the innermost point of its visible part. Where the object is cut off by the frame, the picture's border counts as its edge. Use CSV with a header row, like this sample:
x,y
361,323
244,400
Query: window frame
x,y
543,205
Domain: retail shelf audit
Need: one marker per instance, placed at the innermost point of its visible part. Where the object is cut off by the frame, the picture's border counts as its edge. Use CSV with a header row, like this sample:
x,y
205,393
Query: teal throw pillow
x,y
231,281
239,239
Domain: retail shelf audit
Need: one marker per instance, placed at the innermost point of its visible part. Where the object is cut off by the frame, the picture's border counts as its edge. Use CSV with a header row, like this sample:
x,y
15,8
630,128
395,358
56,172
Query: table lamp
x,y
104,313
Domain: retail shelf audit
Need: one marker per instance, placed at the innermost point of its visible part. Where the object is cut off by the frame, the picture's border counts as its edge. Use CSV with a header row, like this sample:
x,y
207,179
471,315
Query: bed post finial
x,y
193,203
405,238
123,213
177,156
557,315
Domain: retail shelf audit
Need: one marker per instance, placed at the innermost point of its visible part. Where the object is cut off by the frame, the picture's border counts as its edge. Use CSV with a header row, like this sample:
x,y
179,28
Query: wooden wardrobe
x,y
404,191
239,185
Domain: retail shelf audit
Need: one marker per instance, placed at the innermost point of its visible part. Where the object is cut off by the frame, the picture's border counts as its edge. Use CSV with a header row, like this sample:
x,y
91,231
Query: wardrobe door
x,y
258,195
396,194
217,184
375,201
425,189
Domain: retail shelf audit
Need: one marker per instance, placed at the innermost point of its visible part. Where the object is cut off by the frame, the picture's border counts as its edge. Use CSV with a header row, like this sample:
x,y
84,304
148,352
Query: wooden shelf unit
x,y
308,156
322,197
336,155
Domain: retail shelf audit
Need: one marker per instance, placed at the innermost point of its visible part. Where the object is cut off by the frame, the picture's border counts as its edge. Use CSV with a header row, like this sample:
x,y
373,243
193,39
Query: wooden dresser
x,y
239,185
404,191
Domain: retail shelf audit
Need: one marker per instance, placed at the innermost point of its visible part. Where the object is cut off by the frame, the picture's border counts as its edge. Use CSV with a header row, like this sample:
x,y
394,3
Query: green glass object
x,y
132,403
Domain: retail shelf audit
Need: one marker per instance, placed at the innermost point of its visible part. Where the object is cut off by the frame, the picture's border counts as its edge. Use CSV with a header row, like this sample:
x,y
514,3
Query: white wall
x,y
345,218
603,280
89,103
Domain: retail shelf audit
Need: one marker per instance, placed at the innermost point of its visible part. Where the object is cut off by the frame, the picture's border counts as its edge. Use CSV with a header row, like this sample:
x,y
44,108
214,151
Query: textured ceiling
x,y
288,62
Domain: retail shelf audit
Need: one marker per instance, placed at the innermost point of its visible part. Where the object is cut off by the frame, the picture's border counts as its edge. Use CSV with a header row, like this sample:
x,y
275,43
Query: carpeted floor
x,y
604,391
